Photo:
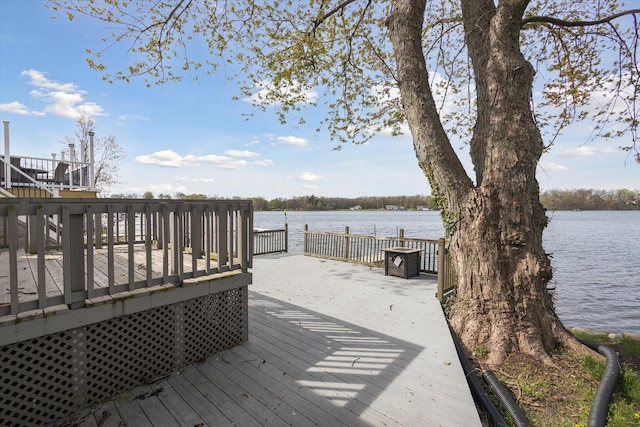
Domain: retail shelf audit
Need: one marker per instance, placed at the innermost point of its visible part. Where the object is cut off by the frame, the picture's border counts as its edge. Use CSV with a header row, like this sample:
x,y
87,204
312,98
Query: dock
x,y
330,344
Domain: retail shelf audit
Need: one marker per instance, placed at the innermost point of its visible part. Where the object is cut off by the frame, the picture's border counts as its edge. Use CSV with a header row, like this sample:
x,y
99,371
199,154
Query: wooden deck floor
x,y
331,344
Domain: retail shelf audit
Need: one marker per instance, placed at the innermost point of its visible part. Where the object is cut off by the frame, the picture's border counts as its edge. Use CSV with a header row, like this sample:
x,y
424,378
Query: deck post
x,y
345,247
196,215
160,223
401,236
223,237
441,269
286,237
92,172
73,256
7,156
305,248
98,230
32,235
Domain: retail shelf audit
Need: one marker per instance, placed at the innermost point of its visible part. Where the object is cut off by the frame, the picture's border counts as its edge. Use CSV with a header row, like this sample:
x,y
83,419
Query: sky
x,y
191,137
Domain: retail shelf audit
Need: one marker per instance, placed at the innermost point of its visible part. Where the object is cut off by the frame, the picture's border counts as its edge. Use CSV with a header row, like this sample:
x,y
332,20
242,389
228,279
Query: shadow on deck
x,y
374,350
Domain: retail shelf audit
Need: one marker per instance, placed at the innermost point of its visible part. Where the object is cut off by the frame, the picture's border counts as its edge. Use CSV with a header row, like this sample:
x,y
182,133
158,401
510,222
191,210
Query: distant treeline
x,y
591,199
552,200
308,203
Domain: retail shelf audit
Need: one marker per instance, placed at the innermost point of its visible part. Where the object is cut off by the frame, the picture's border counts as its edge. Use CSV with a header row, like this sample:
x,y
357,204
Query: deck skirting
x,y
47,378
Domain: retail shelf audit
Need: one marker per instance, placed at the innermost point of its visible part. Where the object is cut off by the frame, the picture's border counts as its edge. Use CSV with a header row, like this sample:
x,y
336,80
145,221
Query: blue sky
x,y
192,137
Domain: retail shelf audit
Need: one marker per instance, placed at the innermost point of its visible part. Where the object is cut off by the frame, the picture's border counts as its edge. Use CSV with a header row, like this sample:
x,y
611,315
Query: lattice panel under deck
x,y
226,322
49,378
125,352
40,379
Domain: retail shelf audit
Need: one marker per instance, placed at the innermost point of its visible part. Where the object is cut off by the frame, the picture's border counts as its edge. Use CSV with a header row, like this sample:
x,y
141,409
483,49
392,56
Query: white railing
x,y
46,174
105,247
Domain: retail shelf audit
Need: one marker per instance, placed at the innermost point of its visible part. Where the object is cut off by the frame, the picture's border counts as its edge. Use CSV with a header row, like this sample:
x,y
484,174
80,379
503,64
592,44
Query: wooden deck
x,y
28,270
331,344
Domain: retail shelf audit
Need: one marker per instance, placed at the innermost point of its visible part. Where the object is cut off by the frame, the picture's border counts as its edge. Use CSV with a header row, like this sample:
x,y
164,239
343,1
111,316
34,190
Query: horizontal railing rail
x,y
105,247
369,250
271,241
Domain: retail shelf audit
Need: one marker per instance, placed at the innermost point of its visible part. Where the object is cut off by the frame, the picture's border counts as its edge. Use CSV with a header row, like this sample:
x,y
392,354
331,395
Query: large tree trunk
x,y
495,225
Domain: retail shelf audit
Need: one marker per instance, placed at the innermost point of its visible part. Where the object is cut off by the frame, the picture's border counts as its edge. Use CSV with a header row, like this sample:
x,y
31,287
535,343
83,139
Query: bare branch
x,y
332,12
563,23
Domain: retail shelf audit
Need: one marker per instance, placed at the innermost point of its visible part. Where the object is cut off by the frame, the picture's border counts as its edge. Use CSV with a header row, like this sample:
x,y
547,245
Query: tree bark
x,y
495,225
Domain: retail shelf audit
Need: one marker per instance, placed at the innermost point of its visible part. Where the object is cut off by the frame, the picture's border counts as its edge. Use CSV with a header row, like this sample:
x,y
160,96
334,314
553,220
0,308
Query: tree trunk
x,y
495,226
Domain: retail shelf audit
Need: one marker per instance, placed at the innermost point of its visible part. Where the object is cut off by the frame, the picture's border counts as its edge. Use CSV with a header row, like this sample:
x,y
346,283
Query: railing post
x,y
73,259
98,230
7,156
441,269
130,232
92,173
345,248
305,248
248,240
13,257
286,237
401,236
223,237
160,234
32,235
197,213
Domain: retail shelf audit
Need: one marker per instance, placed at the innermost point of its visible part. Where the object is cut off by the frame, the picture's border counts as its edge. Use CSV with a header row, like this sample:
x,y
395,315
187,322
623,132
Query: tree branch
x,y
563,23
332,12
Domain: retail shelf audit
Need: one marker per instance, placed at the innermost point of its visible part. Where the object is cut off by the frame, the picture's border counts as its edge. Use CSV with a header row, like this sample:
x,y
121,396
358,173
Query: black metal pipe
x,y
600,407
479,394
519,418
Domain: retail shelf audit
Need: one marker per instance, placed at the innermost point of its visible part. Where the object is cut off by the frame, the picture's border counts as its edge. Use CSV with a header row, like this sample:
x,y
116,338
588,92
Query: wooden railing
x,y
271,241
369,250
106,246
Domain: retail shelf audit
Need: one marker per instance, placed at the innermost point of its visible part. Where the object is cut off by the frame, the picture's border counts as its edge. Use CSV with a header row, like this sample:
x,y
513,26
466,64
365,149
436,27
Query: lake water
x,y
596,255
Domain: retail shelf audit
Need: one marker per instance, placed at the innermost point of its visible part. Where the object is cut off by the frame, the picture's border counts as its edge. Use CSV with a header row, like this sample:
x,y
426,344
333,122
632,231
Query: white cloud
x,y
212,158
38,79
308,176
293,140
195,180
551,166
234,165
265,162
61,99
16,107
581,151
166,158
241,153
170,158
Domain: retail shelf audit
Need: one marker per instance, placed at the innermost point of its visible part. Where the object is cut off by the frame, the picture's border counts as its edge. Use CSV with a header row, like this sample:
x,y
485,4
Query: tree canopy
x,y
505,77
288,54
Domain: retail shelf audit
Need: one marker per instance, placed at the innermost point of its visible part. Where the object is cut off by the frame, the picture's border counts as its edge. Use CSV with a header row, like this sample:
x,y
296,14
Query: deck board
x,y
273,376
179,407
330,344
201,407
153,407
267,407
